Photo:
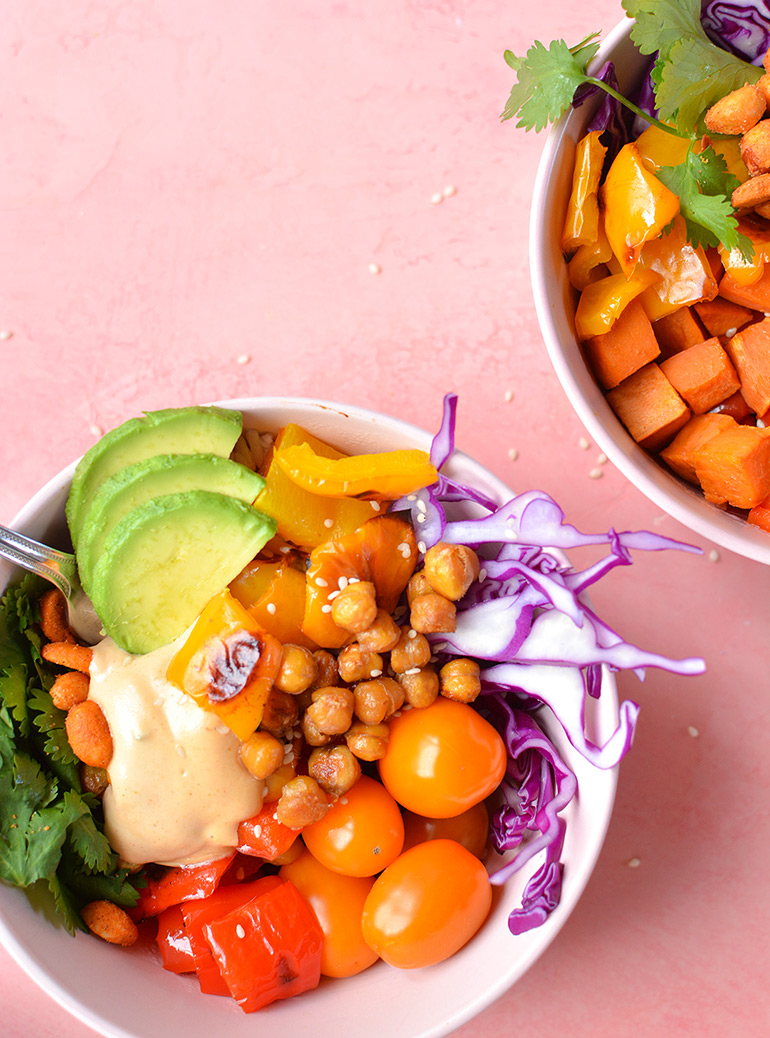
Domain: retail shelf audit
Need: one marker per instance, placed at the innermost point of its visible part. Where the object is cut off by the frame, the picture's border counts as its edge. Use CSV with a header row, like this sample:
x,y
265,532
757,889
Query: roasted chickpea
x,y
301,803
367,741
451,569
327,669
311,732
432,613
331,711
262,754
382,635
418,585
355,607
335,769
411,650
280,713
376,700
420,685
460,680
298,669
356,663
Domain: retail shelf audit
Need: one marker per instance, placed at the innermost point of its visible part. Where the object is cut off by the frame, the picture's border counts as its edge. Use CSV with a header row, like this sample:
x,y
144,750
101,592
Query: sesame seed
x,y
693,731
760,423
482,575
513,453
342,583
634,863
5,335
449,190
437,198
328,523
601,459
411,497
326,608
243,358
412,670
595,474
411,633
375,268
343,800
421,506
257,830
584,443
421,547
714,555
332,595
321,582
375,505
375,672
240,931
96,430
508,396
731,332
354,580
422,518
271,607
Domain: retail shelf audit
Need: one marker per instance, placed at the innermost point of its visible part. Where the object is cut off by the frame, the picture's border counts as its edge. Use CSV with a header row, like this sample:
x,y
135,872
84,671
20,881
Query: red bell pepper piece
x,y
174,941
177,884
242,867
197,914
269,948
264,836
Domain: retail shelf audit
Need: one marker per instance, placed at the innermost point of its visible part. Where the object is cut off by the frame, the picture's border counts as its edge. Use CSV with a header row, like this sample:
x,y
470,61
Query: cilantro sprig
x,y
51,832
690,73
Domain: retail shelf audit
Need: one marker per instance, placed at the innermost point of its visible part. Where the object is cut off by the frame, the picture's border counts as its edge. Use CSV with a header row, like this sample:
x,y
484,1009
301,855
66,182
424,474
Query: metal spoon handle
x,y
57,566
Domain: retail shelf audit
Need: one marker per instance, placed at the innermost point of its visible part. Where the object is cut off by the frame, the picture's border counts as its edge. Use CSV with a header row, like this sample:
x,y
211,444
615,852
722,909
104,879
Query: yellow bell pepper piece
x,y
228,664
385,476
304,518
685,273
589,262
743,271
582,220
637,206
658,148
602,302
274,594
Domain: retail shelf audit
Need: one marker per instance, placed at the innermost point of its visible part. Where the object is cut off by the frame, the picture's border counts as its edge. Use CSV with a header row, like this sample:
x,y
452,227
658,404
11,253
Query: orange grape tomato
x,y
442,759
471,829
338,902
360,834
426,905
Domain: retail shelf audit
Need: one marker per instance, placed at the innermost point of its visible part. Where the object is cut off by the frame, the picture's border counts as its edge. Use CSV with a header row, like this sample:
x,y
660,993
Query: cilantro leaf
x,y
704,186
690,71
547,78
90,844
50,722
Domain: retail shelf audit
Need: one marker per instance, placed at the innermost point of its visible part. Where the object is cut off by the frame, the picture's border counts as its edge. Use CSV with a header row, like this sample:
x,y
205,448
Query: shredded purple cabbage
x,y
610,117
742,27
539,643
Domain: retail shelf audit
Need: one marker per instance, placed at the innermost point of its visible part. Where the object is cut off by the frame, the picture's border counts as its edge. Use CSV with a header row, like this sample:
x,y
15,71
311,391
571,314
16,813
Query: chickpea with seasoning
x,y
298,670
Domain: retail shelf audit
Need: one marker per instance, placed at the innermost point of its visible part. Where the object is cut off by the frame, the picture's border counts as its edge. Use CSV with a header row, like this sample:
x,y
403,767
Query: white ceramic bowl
x,y
127,993
555,304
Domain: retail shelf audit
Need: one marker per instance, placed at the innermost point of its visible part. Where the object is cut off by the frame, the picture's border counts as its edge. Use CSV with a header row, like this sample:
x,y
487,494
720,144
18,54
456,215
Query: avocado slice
x,y
158,476
167,558
179,430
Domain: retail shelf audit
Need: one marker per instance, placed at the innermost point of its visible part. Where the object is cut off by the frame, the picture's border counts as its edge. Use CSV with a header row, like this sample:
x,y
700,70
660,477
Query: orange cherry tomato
x,y
338,902
361,833
426,905
442,759
471,829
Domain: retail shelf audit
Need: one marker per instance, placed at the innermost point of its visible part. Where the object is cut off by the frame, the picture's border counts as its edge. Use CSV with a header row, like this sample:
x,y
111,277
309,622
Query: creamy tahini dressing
x,y
177,788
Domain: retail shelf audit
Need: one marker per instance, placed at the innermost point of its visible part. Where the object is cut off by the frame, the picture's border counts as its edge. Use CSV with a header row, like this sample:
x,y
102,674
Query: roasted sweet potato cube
x,y
721,317
702,375
749,350
760,514
733,467
649,407
626,347
680,453
678,331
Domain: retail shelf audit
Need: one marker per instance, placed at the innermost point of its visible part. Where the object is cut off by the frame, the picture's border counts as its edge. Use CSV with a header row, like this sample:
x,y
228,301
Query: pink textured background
x,y
192,193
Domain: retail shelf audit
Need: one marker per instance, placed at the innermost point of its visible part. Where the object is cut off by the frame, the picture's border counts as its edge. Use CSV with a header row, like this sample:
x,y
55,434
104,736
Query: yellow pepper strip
x,y
637,206
306,519
384,476
658,148
589,262
582,221
228,664
743,271
685,273
602,302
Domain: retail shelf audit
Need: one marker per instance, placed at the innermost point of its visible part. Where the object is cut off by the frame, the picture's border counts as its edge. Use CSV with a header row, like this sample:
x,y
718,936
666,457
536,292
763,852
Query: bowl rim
x,y
580,873
662,487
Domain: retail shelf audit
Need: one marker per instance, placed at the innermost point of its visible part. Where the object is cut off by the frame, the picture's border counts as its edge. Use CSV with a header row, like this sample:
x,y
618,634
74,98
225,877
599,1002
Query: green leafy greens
x,y
51,831
690,73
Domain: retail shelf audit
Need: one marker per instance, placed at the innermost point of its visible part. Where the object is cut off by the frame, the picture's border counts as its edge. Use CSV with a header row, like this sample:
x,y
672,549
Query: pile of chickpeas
x,y
340,705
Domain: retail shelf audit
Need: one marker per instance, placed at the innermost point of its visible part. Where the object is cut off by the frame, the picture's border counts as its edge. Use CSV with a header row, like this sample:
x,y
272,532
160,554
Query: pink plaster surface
x,y
193,195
